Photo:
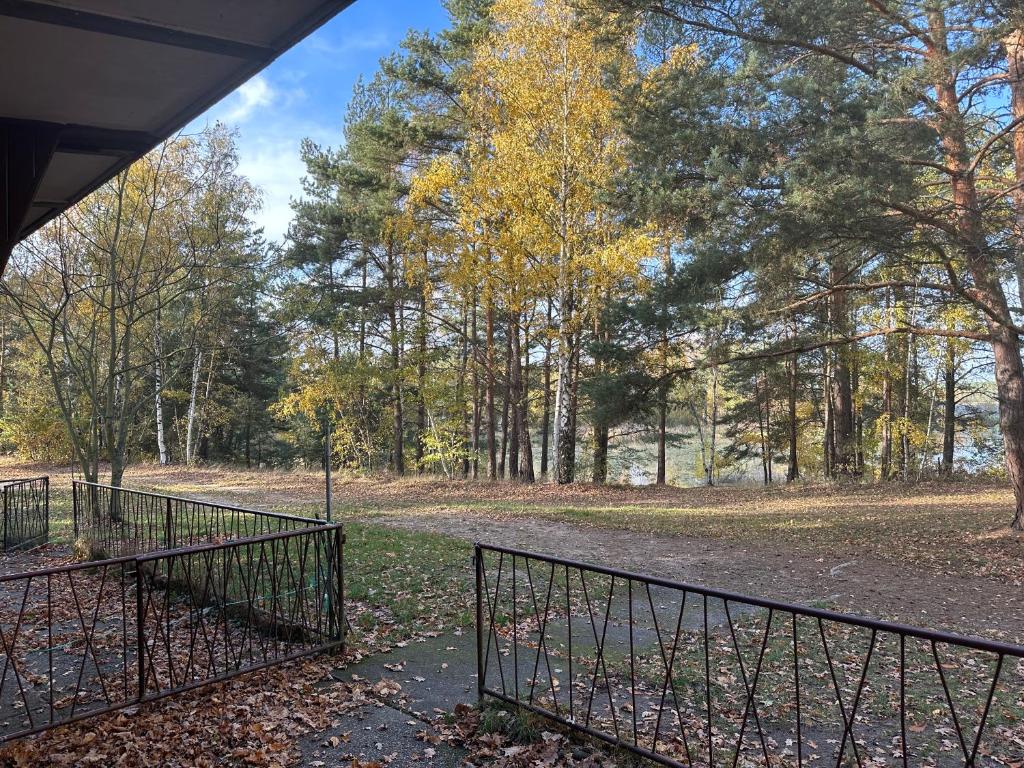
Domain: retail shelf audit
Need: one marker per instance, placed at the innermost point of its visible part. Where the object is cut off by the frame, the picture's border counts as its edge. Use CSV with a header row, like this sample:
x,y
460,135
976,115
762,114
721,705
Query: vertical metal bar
x,y
169,525
478,567
46,524
568,621
74,506
6,512
903,697
796,685
140,640
632,661
49,639
515,630
327,462
124,633
707,682
340,566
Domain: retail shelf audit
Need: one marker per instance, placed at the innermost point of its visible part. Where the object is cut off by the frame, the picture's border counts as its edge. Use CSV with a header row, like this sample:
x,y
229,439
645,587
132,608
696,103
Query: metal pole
x,y
478,562
169,526
338,608
140,624
74,505
327,461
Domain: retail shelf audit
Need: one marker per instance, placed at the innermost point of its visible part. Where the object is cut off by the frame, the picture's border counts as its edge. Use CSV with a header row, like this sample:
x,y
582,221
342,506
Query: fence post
x,y
140,639
169,526
7,511
478,566
46,524
74,506
336,594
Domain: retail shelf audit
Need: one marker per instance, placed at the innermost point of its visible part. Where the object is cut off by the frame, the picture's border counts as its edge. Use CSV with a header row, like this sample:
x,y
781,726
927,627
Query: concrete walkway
x,y
413,686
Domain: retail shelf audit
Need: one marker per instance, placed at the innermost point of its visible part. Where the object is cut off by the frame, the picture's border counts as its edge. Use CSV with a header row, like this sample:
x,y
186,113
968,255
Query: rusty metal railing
x,y
86,638
120,521
26,512
685,675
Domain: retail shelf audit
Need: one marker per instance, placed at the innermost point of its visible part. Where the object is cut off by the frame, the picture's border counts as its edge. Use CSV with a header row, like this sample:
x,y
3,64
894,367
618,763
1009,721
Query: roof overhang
x,y
89,86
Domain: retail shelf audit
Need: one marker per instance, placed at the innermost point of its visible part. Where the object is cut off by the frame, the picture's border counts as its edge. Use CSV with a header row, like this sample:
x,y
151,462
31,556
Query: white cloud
x,y
352,46
253,95
275,167
270,157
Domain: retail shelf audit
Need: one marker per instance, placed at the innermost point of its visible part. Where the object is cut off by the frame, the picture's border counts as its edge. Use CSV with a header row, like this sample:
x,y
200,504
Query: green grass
x,y
397,583
408,581
520,725
952,527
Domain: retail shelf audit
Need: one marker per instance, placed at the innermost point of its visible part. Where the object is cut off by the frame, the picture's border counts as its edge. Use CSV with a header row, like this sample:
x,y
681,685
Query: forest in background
x,y
779,237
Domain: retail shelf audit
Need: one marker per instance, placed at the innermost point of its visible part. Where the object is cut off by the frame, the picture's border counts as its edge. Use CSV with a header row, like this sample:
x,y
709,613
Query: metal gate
x,y
200,593
26,512
685,675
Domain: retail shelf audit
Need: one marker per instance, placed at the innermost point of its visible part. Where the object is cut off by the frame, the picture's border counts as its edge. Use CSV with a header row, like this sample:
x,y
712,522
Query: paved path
x,y
426,678
970,605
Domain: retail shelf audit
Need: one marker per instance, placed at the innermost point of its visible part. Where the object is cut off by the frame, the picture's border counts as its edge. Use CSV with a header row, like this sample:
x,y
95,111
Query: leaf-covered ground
x,y
935,554
949,527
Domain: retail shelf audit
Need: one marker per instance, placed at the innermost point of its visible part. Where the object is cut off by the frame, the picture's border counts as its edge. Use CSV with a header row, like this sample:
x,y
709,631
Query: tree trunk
x,y
664,389
565,403
762,432
949,412
492,448
3,360
522,405
662,473
858,420
467,417
514,397
600,475
158,380
842,387
506,392
828,444
397,418
1005,340
546,426
421,383
477,409
713,429
565,397
190,419
768,452
1014,43
793,469
248,438
885,462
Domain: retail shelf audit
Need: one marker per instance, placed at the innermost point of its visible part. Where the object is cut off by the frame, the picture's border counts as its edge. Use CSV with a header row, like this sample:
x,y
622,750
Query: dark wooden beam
x,y
251,59
90,140
31,10
25,152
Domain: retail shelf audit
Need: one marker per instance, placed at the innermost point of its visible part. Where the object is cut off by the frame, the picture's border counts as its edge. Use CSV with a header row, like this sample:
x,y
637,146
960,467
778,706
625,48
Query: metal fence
x,y
689,676
92,637
121,521
26,512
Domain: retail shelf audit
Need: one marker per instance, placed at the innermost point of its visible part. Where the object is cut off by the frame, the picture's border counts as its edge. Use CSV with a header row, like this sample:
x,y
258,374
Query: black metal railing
x,y
213,611
120,521
88,638
685,675
26,512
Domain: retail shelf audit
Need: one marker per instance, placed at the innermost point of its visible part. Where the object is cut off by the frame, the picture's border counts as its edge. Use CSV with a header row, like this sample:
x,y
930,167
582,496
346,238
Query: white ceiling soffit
x,y
92,85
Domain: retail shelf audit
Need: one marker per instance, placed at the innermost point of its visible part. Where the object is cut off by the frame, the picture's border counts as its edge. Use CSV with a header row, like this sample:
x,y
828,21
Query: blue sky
x,y
305,92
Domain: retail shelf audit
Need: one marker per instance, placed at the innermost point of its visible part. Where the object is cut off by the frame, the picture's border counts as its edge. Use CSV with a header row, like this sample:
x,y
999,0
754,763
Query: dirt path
x,y
971,605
